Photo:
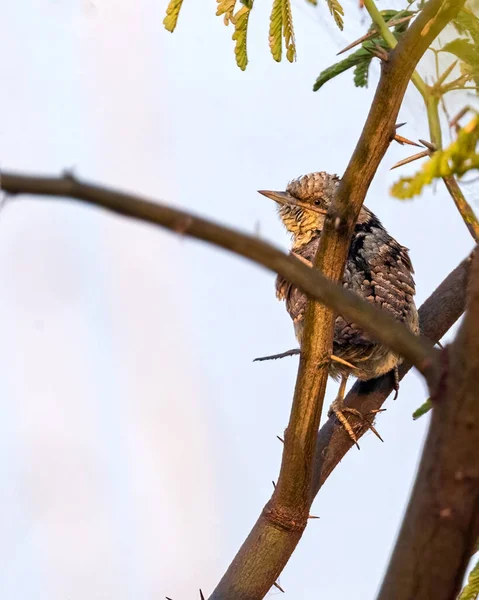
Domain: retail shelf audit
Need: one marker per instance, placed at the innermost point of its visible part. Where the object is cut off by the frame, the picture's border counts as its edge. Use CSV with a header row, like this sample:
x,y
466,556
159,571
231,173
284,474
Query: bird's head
x,y
303,206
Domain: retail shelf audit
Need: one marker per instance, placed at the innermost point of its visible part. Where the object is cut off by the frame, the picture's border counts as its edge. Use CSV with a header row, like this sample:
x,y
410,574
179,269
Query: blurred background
x,y
137,438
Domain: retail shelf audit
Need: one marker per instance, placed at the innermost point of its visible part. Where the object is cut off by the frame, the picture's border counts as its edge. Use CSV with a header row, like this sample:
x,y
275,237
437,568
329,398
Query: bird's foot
x,y
338,409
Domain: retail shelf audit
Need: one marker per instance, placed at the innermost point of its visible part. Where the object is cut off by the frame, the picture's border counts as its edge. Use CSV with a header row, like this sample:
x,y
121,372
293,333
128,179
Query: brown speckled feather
x,y
379,270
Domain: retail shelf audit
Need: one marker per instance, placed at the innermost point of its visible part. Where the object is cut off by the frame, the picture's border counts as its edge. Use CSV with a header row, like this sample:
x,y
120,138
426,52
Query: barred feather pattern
x,y
379,270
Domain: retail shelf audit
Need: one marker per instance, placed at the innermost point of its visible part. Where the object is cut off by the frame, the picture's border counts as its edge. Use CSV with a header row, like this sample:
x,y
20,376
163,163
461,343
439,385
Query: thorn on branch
x,y
410,159
402,140
201,595
276,584
429,145
293,352
274,485
312,517
280,439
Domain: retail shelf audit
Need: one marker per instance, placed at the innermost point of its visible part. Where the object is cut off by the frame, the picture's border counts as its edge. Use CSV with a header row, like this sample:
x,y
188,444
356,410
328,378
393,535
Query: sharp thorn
x,y
375,431
278,586
429,145
402,140
280,439
312,517
398,125
201,595
274,485
293,352
410,159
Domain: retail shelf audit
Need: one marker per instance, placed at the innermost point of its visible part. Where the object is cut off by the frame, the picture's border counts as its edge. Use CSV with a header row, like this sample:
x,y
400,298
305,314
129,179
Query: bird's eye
x,y
317,202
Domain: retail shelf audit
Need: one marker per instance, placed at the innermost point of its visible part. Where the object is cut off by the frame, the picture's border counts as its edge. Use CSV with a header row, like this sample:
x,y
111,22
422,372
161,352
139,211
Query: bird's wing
x,y
380,270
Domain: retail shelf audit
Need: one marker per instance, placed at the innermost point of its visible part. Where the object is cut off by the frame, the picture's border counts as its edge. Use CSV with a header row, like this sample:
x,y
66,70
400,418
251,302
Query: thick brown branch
x,y
441,525
378,324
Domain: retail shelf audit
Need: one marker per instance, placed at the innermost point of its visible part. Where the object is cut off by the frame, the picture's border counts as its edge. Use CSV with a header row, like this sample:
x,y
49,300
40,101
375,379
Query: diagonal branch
x,y
378,324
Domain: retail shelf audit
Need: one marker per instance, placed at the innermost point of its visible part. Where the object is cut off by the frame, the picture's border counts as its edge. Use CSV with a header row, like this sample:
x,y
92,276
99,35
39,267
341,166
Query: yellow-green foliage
x,y
281,25
226,8
239,36
337,11
458,158
471,590
172,13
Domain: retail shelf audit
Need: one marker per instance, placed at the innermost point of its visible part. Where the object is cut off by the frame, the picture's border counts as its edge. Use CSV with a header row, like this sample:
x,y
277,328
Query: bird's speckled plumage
x,y
378,269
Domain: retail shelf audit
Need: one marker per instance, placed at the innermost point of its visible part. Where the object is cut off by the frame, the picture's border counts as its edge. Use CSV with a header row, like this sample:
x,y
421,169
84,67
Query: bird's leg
x,y
396,382
338,409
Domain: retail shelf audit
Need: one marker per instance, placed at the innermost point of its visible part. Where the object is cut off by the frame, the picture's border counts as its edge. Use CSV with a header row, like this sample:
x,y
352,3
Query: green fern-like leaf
x,y
276,30
361,73
352,60
240,36
288,31
226,8
337,11
466,23
422,410
361,59
457,159
172,14
471,589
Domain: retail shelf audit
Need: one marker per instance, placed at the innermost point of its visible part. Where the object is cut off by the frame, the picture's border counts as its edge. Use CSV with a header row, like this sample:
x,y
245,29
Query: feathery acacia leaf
x,y
281,26
172,13
240,36
276,30
361,73
457,159
361,59
226,8
288,31
337,11
467,23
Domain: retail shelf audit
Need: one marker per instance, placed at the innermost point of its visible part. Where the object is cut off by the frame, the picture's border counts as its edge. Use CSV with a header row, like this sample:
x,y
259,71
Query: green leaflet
x,y
468,53
457,159
240,20
281,26
422,410
471,589
172,14
361,73
467,23
361,59
337,11
226,8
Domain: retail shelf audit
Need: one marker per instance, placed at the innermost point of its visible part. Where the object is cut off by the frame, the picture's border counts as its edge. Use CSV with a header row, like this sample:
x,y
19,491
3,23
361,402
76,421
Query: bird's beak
x,y
288,199
279,197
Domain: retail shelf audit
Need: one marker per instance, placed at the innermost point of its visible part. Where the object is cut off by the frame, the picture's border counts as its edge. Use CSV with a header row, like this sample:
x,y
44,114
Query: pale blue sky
x,y
137,438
